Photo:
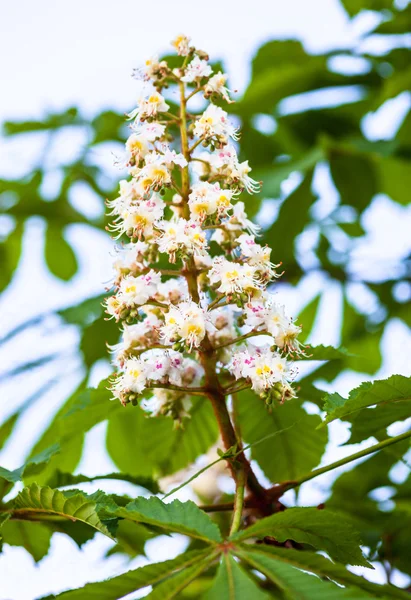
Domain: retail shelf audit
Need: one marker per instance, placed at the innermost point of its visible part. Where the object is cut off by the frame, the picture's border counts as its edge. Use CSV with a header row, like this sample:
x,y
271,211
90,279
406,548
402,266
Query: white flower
x,y
255,313
172,157
263,367
234,278
151,69
133,379
206,199
151,131
149,107
135,291
173,290
141,218
203,200
182,44
137,147
186,322
216,85
225,162
173,236
257,256
196,70
240,220
220,324
130,257
214,123
181,235
126,195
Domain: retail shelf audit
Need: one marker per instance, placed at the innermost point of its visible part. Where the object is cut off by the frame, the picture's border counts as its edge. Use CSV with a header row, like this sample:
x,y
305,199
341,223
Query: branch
x,y
194,146
194,92
344,461
194,391
215,301
252,333
234,390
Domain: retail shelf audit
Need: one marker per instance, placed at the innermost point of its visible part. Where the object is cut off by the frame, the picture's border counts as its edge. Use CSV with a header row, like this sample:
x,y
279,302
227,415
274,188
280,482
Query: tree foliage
x,y
288,443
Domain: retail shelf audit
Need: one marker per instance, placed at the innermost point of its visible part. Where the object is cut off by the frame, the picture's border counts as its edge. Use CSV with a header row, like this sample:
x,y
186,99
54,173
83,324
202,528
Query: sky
x,y
82,53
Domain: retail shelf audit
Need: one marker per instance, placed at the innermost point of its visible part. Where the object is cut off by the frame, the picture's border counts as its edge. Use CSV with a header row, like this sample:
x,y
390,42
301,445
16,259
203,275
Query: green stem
x,y
234,390
194,391
239,500
241,338
344,461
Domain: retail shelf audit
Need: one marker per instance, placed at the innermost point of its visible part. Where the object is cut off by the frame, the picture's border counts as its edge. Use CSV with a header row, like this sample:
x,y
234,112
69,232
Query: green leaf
x,y
307,316
296,584
292,218
198,434
321,566
117,587
354,175
85,313
6,428
295,450
142,445
95,338
34,537
355,6
273,176
283,51
321,529
180,517
395,389
172,587
10,251
34,465
395,176
38,501
353,229
131,538
232,583
324,353
361,340
60,479
374,421
59,255
89,407
71,447
137,443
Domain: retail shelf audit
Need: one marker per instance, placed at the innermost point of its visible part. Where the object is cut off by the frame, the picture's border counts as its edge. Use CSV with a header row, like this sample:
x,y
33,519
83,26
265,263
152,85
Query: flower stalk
x,y
177,341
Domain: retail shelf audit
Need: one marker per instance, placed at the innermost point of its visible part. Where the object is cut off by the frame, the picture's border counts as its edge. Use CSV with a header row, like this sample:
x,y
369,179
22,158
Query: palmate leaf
x,y
117,587
321,529
296,584
232,583
394,390
323,567
43,502
179,517
297,448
